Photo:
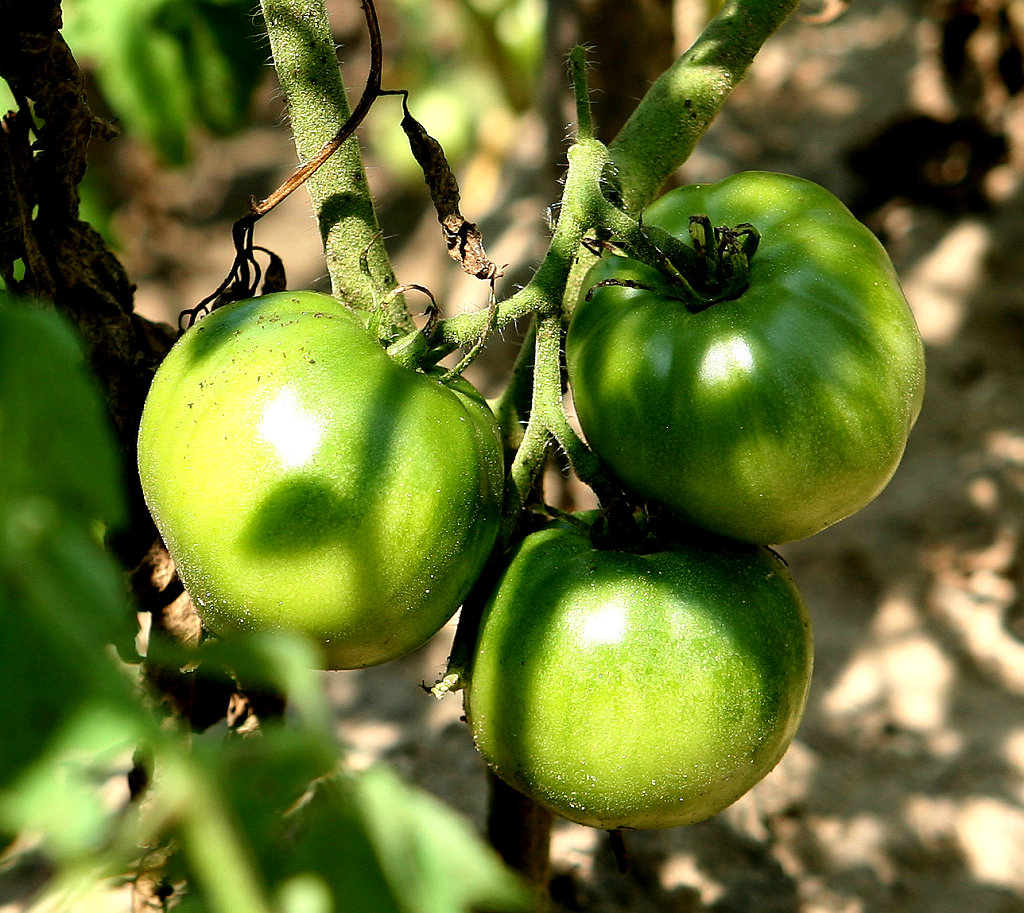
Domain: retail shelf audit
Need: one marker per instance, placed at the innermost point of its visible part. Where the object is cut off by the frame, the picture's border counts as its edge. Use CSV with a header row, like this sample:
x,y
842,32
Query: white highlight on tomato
x,y
606,625
726,356
290,430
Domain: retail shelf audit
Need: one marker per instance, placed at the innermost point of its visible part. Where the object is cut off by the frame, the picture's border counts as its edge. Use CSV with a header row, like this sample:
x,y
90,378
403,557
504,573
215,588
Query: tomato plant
x,y
771,414
759,379
304,480
649,689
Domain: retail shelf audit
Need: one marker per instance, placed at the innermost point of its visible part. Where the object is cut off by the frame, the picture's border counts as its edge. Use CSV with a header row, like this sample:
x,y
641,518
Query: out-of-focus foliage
x,y
67,711
168,66
466,62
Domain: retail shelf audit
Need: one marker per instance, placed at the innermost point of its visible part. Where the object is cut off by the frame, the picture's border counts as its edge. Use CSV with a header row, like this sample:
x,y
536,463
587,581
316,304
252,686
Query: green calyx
x,y
723,258
712,266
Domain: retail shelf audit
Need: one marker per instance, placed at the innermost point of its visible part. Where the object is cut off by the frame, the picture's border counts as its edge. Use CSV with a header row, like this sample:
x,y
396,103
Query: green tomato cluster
x,y
305,480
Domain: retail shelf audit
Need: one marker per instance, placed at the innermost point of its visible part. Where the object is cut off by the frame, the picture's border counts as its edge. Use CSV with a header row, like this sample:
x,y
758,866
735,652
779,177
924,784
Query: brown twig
x,y
245,273
463,238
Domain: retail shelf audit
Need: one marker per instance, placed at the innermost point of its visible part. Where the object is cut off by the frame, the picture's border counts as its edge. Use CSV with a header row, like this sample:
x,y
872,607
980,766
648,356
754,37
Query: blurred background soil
x,y
905,788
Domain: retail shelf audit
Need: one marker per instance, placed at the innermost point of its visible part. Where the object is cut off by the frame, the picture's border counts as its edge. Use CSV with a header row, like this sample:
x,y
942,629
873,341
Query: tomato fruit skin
x,y
304,480
638,690
768,417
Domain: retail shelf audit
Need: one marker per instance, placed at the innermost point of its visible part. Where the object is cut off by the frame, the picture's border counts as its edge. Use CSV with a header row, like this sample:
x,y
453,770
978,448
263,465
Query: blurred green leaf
x,y
167,66
55,440
331,842
333,847
67,706
379,845
61,606
282,662
64,796
430,853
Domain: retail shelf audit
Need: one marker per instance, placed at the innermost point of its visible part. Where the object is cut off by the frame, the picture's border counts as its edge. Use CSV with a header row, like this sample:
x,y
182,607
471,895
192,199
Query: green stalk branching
x,y
676,111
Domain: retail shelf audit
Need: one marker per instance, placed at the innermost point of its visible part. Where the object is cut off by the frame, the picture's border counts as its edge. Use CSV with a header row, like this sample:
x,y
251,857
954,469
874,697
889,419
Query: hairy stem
x,y
304,57
680,106
581,93
549,409
544,293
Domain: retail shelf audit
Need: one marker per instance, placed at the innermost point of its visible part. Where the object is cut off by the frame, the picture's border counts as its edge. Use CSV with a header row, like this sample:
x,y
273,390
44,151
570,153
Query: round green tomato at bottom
x,y
638,690
304,480
769,416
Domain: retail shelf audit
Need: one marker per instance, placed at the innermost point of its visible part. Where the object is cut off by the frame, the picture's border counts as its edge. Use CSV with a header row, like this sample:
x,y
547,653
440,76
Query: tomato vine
x,y
605,189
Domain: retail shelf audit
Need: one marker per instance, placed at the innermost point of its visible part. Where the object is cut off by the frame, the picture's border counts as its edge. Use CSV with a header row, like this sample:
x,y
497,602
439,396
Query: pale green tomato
x,y
305,481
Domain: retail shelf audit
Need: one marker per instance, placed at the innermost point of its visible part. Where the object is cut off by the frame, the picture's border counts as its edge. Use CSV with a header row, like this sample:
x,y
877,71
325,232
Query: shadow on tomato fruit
x,y
767,416
303,480
298,513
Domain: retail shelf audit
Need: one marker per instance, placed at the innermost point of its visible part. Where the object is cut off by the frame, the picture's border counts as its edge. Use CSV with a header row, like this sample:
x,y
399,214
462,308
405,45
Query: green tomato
x,y
638,690
770,416
303,480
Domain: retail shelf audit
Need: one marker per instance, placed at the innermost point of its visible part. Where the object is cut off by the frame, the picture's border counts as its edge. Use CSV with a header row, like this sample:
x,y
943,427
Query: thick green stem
x,y
679,107
549,409
512,406
581,92
304,57
544,293
547,289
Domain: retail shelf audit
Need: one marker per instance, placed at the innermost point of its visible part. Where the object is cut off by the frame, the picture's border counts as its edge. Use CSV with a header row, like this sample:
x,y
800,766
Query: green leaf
x,y
67,706
328,842
298,831
330,847
430,853
61,605
225,56
278,661
60,797
168,66
55,437
376,844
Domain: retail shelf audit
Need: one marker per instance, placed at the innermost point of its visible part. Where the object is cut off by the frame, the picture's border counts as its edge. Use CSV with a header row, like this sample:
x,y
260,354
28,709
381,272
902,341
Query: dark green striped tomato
x,y
638,690
303,480
769,415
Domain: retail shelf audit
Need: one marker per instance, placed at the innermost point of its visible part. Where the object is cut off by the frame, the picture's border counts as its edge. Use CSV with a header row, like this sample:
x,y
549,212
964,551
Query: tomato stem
x,y
520,830
549,409
512,407
581,91
676,111
478,346
546,293
307,67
